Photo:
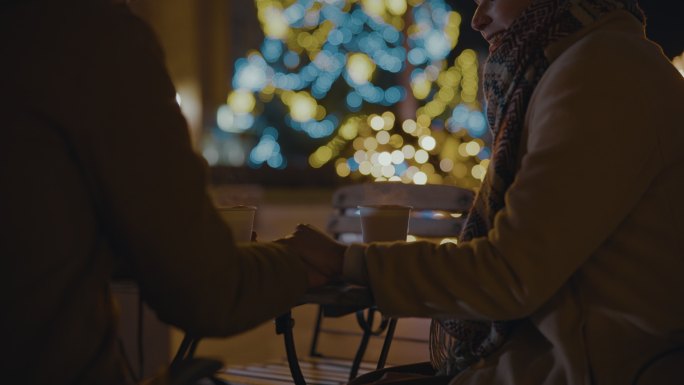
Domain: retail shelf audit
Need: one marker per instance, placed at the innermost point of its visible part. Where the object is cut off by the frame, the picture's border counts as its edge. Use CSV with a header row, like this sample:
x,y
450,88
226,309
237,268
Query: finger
x,y
319,269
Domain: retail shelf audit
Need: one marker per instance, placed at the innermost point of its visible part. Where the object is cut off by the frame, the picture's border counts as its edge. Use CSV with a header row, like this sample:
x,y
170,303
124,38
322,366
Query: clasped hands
x,y
322,255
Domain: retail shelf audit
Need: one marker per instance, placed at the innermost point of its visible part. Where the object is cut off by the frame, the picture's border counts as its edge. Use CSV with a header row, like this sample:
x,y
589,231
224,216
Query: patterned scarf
x,y
511,74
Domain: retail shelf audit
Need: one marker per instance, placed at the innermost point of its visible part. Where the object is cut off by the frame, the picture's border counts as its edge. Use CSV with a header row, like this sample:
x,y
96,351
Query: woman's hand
x,y
323,256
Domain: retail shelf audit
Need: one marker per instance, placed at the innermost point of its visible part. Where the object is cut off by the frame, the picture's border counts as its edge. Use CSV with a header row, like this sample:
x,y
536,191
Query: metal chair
x,y
184,369
437,214
666,368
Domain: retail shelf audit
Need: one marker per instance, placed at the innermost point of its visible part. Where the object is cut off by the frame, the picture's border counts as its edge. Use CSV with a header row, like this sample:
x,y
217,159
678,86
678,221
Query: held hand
x,y
321,253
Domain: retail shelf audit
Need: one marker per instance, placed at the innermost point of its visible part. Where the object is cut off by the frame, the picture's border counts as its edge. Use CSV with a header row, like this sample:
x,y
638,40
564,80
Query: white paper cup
x,y
384,223
240,219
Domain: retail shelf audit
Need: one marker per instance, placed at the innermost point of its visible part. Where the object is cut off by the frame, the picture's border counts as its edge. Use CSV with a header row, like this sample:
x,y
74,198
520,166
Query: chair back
x,y
438,211
666,368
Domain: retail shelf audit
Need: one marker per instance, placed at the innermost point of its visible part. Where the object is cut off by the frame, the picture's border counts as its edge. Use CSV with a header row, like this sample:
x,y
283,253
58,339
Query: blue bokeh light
x,y
291,59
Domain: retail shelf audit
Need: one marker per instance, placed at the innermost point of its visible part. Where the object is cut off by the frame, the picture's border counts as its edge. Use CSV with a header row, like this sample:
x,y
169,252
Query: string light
x,y
678,62
333,68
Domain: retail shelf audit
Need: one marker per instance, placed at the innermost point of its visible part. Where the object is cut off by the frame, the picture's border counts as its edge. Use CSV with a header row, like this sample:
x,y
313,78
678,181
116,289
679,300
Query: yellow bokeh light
x,y
360,68
396,7
383,137
269,89
427,168
450,147
462,150
376,122
421,156
396,141
478,172
349,130
241,101
359,143
365,167
389,119
470,85
374,158
385,158
453,27
321,113
324,153
435,179
303,107
421,86
678,62
467,58
343,169
468,97
370,143
446,94
304,39
420,178
373,7
472,148
388,171
321,156
435,107
410,172
409,126
460,170
448,240
409,151
424,120
376,170
274,22
449,78
397,157
360,156
397,23
446,165
427,142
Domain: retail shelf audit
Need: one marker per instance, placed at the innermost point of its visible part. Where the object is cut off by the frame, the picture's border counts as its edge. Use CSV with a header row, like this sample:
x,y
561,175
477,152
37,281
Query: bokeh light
x,y
376,85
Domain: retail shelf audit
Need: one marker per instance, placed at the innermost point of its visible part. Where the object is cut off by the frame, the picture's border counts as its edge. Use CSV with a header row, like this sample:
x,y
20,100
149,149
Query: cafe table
x,y
343,299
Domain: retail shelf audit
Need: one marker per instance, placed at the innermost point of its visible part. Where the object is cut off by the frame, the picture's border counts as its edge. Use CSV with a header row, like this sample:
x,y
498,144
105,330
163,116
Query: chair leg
x,y
185,350
313,352
367,326
386,345
284,325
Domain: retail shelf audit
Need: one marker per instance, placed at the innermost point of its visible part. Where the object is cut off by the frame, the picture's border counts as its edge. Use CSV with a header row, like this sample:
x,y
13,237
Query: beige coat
x,y
589,248
97,169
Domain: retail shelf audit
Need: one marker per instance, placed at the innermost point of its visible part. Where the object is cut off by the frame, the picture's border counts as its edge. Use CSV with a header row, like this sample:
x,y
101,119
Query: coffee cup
x,y
240,219
384,223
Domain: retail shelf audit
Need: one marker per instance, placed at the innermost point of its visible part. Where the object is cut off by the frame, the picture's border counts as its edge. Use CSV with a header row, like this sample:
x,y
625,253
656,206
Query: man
x,y
96,173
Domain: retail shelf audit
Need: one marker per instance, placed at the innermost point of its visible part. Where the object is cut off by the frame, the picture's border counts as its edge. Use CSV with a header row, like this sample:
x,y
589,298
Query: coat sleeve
x,y
151,197
587,163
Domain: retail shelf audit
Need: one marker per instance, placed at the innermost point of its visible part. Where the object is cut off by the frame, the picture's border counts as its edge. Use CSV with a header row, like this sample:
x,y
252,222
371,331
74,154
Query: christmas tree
x,y
374,87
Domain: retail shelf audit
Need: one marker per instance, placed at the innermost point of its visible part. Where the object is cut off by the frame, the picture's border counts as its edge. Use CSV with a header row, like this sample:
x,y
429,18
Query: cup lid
x,y
237,208
386,207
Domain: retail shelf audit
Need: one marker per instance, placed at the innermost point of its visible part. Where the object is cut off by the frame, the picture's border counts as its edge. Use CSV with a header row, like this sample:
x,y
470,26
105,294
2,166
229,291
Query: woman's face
x,y
495,16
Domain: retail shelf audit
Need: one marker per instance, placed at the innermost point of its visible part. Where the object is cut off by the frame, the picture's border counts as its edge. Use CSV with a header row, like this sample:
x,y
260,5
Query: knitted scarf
x,y
511,74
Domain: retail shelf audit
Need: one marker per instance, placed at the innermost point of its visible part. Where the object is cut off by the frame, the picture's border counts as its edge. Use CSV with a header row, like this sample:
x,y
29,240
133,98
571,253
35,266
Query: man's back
x,y
97,170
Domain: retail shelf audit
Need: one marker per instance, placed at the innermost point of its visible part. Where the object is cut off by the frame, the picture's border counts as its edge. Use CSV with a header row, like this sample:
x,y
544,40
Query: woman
x,y
569,268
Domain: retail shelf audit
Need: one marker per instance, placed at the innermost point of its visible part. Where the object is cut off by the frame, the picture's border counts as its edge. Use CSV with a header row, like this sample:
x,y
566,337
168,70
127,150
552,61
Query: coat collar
x,y
618,20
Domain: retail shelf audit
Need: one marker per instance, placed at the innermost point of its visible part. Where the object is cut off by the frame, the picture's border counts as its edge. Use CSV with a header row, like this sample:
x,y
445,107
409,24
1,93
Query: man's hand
x,y
322,255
